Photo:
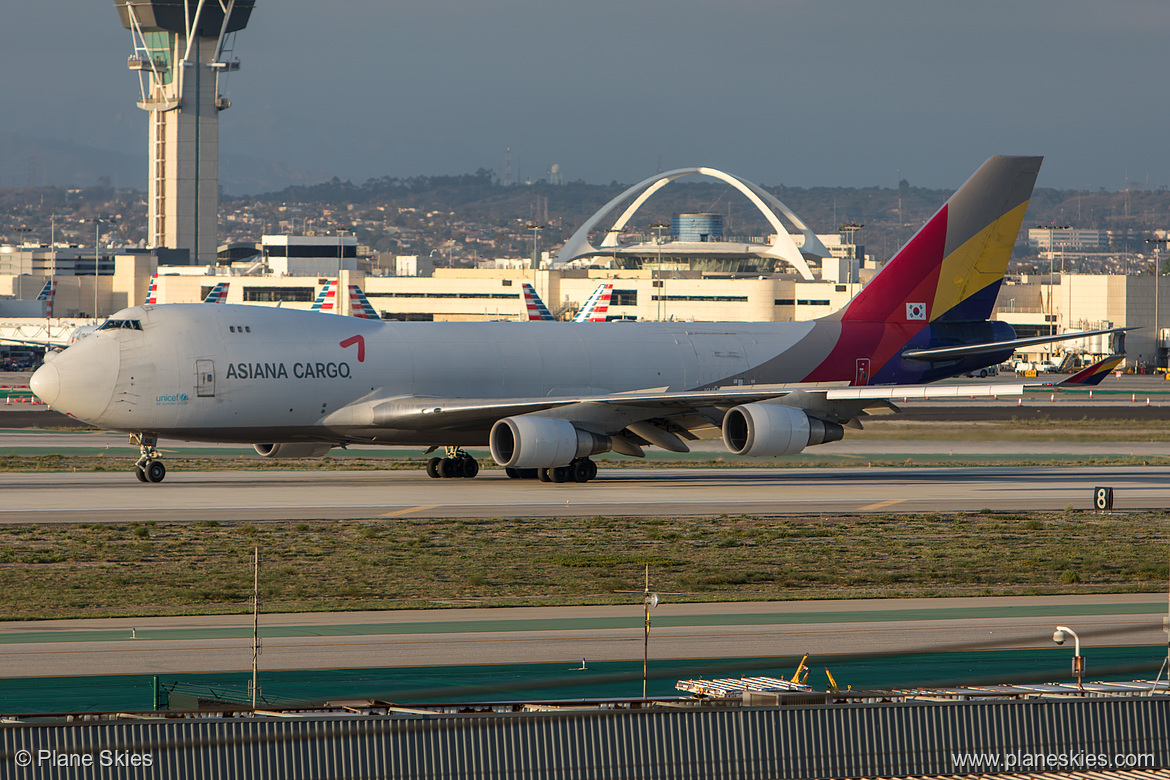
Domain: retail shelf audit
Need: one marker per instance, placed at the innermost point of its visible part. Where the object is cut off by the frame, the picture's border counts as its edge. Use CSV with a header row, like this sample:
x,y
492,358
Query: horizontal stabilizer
x,y
954,353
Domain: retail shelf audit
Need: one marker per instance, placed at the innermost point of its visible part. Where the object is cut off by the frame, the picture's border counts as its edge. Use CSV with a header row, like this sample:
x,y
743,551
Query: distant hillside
x,y
40,162
890,216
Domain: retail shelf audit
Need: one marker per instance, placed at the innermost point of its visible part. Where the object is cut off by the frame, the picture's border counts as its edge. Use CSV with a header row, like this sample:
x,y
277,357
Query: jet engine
x,y
770,429
542,442
293,450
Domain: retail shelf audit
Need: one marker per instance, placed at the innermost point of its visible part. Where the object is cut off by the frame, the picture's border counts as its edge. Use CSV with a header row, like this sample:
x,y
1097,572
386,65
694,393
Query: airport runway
x,y
457,637
234,496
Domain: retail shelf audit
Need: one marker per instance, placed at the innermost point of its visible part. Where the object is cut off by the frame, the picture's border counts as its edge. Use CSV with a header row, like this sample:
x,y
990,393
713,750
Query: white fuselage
x,y
253,374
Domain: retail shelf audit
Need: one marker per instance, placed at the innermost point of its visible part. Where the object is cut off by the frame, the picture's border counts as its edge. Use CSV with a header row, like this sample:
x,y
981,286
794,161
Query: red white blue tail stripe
x,y
535,306
597,307
327,298
152,291
46,296
360,306
218,293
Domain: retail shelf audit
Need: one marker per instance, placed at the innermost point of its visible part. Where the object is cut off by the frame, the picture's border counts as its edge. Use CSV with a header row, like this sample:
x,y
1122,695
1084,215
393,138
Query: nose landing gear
x,y
148,468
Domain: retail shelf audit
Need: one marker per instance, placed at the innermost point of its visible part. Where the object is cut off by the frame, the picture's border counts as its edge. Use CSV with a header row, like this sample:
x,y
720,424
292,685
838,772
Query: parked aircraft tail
x,y
152,291
360,306
46,296
1092,375
218,293
327,298
536,308
597,306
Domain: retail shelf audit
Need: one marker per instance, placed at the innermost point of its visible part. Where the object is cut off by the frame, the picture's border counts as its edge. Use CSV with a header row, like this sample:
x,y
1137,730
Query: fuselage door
x,y
861,376
205,378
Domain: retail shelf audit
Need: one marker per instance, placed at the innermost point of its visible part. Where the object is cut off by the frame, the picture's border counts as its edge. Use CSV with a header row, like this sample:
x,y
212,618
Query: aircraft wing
x,y
611,412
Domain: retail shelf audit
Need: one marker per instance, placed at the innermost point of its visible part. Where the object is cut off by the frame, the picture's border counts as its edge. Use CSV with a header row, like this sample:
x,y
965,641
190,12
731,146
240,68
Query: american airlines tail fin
x,y
535,306
1092,375
360,306
152,291
218,293
596,308
952,268
327,298
46,296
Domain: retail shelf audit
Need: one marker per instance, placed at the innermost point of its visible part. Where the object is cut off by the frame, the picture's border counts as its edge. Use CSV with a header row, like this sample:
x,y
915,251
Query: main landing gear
x,y
580,470
457,464
148,468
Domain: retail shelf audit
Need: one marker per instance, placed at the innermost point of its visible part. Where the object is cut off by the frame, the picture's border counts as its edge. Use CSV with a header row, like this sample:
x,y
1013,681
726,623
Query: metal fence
x,y
855,740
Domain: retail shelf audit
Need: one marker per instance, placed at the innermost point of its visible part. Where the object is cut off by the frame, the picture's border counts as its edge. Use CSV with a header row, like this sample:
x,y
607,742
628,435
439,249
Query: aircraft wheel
x,y
156,471
543,475
512,473
138,472
560,474
470,467
583,470
449,467
433,468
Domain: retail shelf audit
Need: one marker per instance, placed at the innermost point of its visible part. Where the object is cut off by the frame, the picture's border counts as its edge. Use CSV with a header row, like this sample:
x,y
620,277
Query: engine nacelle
x,y
542,442
770,429
293,450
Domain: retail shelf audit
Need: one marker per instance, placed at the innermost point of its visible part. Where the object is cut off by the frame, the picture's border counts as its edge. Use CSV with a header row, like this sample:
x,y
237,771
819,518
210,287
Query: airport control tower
x,y
182,49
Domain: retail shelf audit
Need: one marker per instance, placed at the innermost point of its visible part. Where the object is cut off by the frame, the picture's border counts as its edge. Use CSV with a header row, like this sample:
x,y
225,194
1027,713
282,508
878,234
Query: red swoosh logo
x,y
361,345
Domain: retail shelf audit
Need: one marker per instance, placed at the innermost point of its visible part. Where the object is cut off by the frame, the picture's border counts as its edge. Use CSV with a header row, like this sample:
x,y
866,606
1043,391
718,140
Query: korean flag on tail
x,y
916,311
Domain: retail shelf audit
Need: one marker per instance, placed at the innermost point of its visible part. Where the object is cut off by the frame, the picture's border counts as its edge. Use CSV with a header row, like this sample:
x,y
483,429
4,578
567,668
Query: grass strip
x,y
103,570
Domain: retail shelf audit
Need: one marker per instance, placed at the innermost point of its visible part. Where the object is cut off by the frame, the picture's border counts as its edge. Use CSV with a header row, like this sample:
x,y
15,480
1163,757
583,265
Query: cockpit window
x,y
123,324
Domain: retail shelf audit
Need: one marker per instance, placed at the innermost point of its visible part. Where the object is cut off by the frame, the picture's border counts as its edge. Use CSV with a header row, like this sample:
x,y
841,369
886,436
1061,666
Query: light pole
x,y
341,231
1158,244
658,227
849,231
1051,227
97,226
1078,660
650,600
535,228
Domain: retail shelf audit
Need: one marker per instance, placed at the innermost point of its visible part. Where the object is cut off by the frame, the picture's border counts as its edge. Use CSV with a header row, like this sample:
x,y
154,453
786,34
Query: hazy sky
x,y
803,93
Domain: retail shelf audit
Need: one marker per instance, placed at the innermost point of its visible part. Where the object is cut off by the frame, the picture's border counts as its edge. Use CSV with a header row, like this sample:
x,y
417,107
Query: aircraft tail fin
x,y
1094,374
952,268
46,296
152,291
360,306
327,298
535,306
597,307
218,293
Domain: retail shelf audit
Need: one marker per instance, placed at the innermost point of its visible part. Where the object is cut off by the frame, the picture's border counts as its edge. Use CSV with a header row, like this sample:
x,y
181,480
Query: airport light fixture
x,y
97,257
1050,227
649,601
1078,665
341,231
1158,244
535,228
658,227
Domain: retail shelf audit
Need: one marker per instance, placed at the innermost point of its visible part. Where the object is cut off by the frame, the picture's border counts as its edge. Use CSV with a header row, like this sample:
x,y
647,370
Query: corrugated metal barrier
x,y
853,740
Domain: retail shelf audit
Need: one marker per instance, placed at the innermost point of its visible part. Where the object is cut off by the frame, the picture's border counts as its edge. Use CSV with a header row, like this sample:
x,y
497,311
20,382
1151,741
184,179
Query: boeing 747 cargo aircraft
x,y
545,399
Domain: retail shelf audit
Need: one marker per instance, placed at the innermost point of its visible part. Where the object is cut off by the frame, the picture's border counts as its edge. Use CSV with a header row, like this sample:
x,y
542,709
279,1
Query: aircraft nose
x,y
46,383
80,380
